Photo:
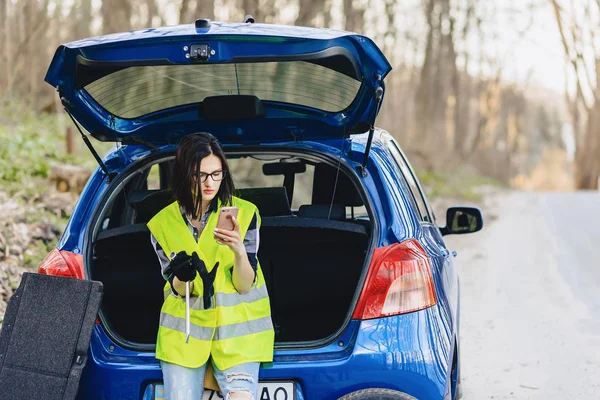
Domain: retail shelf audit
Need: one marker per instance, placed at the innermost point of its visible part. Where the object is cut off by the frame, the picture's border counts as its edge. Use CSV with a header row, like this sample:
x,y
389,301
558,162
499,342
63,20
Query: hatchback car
x,y
364,292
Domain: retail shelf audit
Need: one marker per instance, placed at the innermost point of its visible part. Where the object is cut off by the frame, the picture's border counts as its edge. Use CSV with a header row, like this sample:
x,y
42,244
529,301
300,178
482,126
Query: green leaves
x,y
31,142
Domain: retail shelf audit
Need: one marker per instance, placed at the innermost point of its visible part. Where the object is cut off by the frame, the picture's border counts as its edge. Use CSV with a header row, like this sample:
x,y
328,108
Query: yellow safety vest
x,y
237,328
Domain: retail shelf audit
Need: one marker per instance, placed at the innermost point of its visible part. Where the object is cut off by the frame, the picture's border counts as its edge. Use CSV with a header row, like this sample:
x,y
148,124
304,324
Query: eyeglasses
x,y
216,176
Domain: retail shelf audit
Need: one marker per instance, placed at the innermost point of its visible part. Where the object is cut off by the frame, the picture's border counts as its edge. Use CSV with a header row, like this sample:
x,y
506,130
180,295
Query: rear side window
x,y
411,180
154,178
247,173
140,90
303,187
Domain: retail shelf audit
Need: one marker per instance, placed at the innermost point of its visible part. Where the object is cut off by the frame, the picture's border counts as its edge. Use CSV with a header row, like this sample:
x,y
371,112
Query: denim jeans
x,y
181,383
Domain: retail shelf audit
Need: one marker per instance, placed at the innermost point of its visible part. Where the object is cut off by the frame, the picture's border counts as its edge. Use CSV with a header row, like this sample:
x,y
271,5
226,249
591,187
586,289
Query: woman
x,y
229,306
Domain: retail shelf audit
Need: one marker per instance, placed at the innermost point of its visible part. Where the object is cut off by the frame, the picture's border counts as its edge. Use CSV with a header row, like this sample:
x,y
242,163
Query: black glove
x,y
182,267
208,278
198,263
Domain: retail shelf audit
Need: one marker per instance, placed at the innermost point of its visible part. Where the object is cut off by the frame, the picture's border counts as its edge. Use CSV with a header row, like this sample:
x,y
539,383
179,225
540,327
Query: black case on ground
x,y
45,337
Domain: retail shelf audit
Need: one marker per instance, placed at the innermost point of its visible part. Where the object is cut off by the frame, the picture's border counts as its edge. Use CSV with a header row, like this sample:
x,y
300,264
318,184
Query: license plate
x,y
266,390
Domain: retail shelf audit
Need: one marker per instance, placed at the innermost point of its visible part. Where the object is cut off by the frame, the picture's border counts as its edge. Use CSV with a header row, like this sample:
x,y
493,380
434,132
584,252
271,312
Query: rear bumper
x,y
401,353
116,373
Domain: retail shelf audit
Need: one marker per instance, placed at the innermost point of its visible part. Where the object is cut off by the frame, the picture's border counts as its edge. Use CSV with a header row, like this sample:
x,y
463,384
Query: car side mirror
x,y
460,220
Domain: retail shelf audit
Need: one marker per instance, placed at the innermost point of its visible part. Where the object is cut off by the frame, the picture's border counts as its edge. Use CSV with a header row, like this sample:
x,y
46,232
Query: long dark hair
x,y
192,149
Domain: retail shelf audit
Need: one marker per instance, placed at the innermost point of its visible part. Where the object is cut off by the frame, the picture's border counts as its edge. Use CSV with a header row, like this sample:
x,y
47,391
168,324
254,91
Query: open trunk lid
x,y
245,83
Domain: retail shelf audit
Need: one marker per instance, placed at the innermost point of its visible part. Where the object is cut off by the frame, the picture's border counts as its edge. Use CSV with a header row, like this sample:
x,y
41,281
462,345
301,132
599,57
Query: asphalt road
x,y
530,298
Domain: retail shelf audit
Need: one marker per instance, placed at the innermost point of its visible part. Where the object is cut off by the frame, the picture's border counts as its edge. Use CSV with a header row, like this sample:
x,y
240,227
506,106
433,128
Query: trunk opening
x,y
312,258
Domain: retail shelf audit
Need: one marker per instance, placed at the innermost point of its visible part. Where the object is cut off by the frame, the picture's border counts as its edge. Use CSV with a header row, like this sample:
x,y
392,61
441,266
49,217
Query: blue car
x,y
364,292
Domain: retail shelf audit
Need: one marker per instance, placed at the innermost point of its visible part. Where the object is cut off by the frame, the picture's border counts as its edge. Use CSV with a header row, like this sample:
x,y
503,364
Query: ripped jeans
x,y
181,383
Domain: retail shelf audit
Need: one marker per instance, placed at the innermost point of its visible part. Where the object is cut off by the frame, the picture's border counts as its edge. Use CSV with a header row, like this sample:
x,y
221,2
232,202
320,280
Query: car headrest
x,y
270,201
345,192
148,203
321,211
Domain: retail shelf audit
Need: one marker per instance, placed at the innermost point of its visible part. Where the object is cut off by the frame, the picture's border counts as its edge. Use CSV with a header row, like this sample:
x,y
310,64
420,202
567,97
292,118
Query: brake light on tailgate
x,y
62,263
399,281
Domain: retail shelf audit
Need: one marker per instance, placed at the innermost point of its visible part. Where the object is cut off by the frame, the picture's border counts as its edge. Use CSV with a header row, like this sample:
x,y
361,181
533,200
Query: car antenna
x,y
378,95
337,174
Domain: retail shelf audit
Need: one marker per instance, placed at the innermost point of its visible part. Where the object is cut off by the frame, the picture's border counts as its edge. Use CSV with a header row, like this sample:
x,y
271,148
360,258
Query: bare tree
x,y
4,27
307,11
587,139
83,16
391,31
29,21
461,84
354,16
434,99
205,9
152,12
262,10
184,11
438,68
194,9
116,15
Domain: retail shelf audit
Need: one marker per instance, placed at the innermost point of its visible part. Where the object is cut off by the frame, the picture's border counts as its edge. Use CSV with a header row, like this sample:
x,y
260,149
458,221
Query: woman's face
x,y
209,185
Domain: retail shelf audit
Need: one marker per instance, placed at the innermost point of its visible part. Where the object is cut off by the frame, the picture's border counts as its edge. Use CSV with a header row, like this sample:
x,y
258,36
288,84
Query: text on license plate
x,y
266,391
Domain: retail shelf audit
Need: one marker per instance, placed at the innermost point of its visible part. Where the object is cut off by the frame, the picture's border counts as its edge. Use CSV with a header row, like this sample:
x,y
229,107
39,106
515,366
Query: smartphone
x,y
224,221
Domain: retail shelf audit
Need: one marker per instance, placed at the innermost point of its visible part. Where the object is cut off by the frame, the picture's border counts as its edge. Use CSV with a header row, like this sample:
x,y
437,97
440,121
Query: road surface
x,y
530,293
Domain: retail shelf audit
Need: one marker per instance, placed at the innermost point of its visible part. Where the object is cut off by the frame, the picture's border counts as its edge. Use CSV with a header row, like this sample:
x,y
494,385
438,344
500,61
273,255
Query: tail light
x,y
399,281
62,263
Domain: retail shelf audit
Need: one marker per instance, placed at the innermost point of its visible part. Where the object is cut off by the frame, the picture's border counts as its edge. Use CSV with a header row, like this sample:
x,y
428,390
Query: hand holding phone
x,y
225,232
225,221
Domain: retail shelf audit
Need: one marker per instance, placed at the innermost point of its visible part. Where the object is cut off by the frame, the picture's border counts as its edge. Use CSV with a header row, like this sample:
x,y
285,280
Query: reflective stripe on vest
x,y
244,328
178,324
245,332
233,299
228,299
221,332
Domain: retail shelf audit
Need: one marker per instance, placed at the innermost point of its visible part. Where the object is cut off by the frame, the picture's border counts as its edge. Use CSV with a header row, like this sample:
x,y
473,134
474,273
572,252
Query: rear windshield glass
x,y
141,90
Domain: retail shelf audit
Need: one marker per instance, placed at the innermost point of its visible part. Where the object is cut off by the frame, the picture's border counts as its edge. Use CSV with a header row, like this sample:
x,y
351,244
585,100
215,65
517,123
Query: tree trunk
x,y
152,12
307,10
436,77
354,17
69,178
4,42
462,92
116,16
390,12
450,78
31,56
83,20
587,141
327,13
253,7
423,107
587,156
184,9
204,9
